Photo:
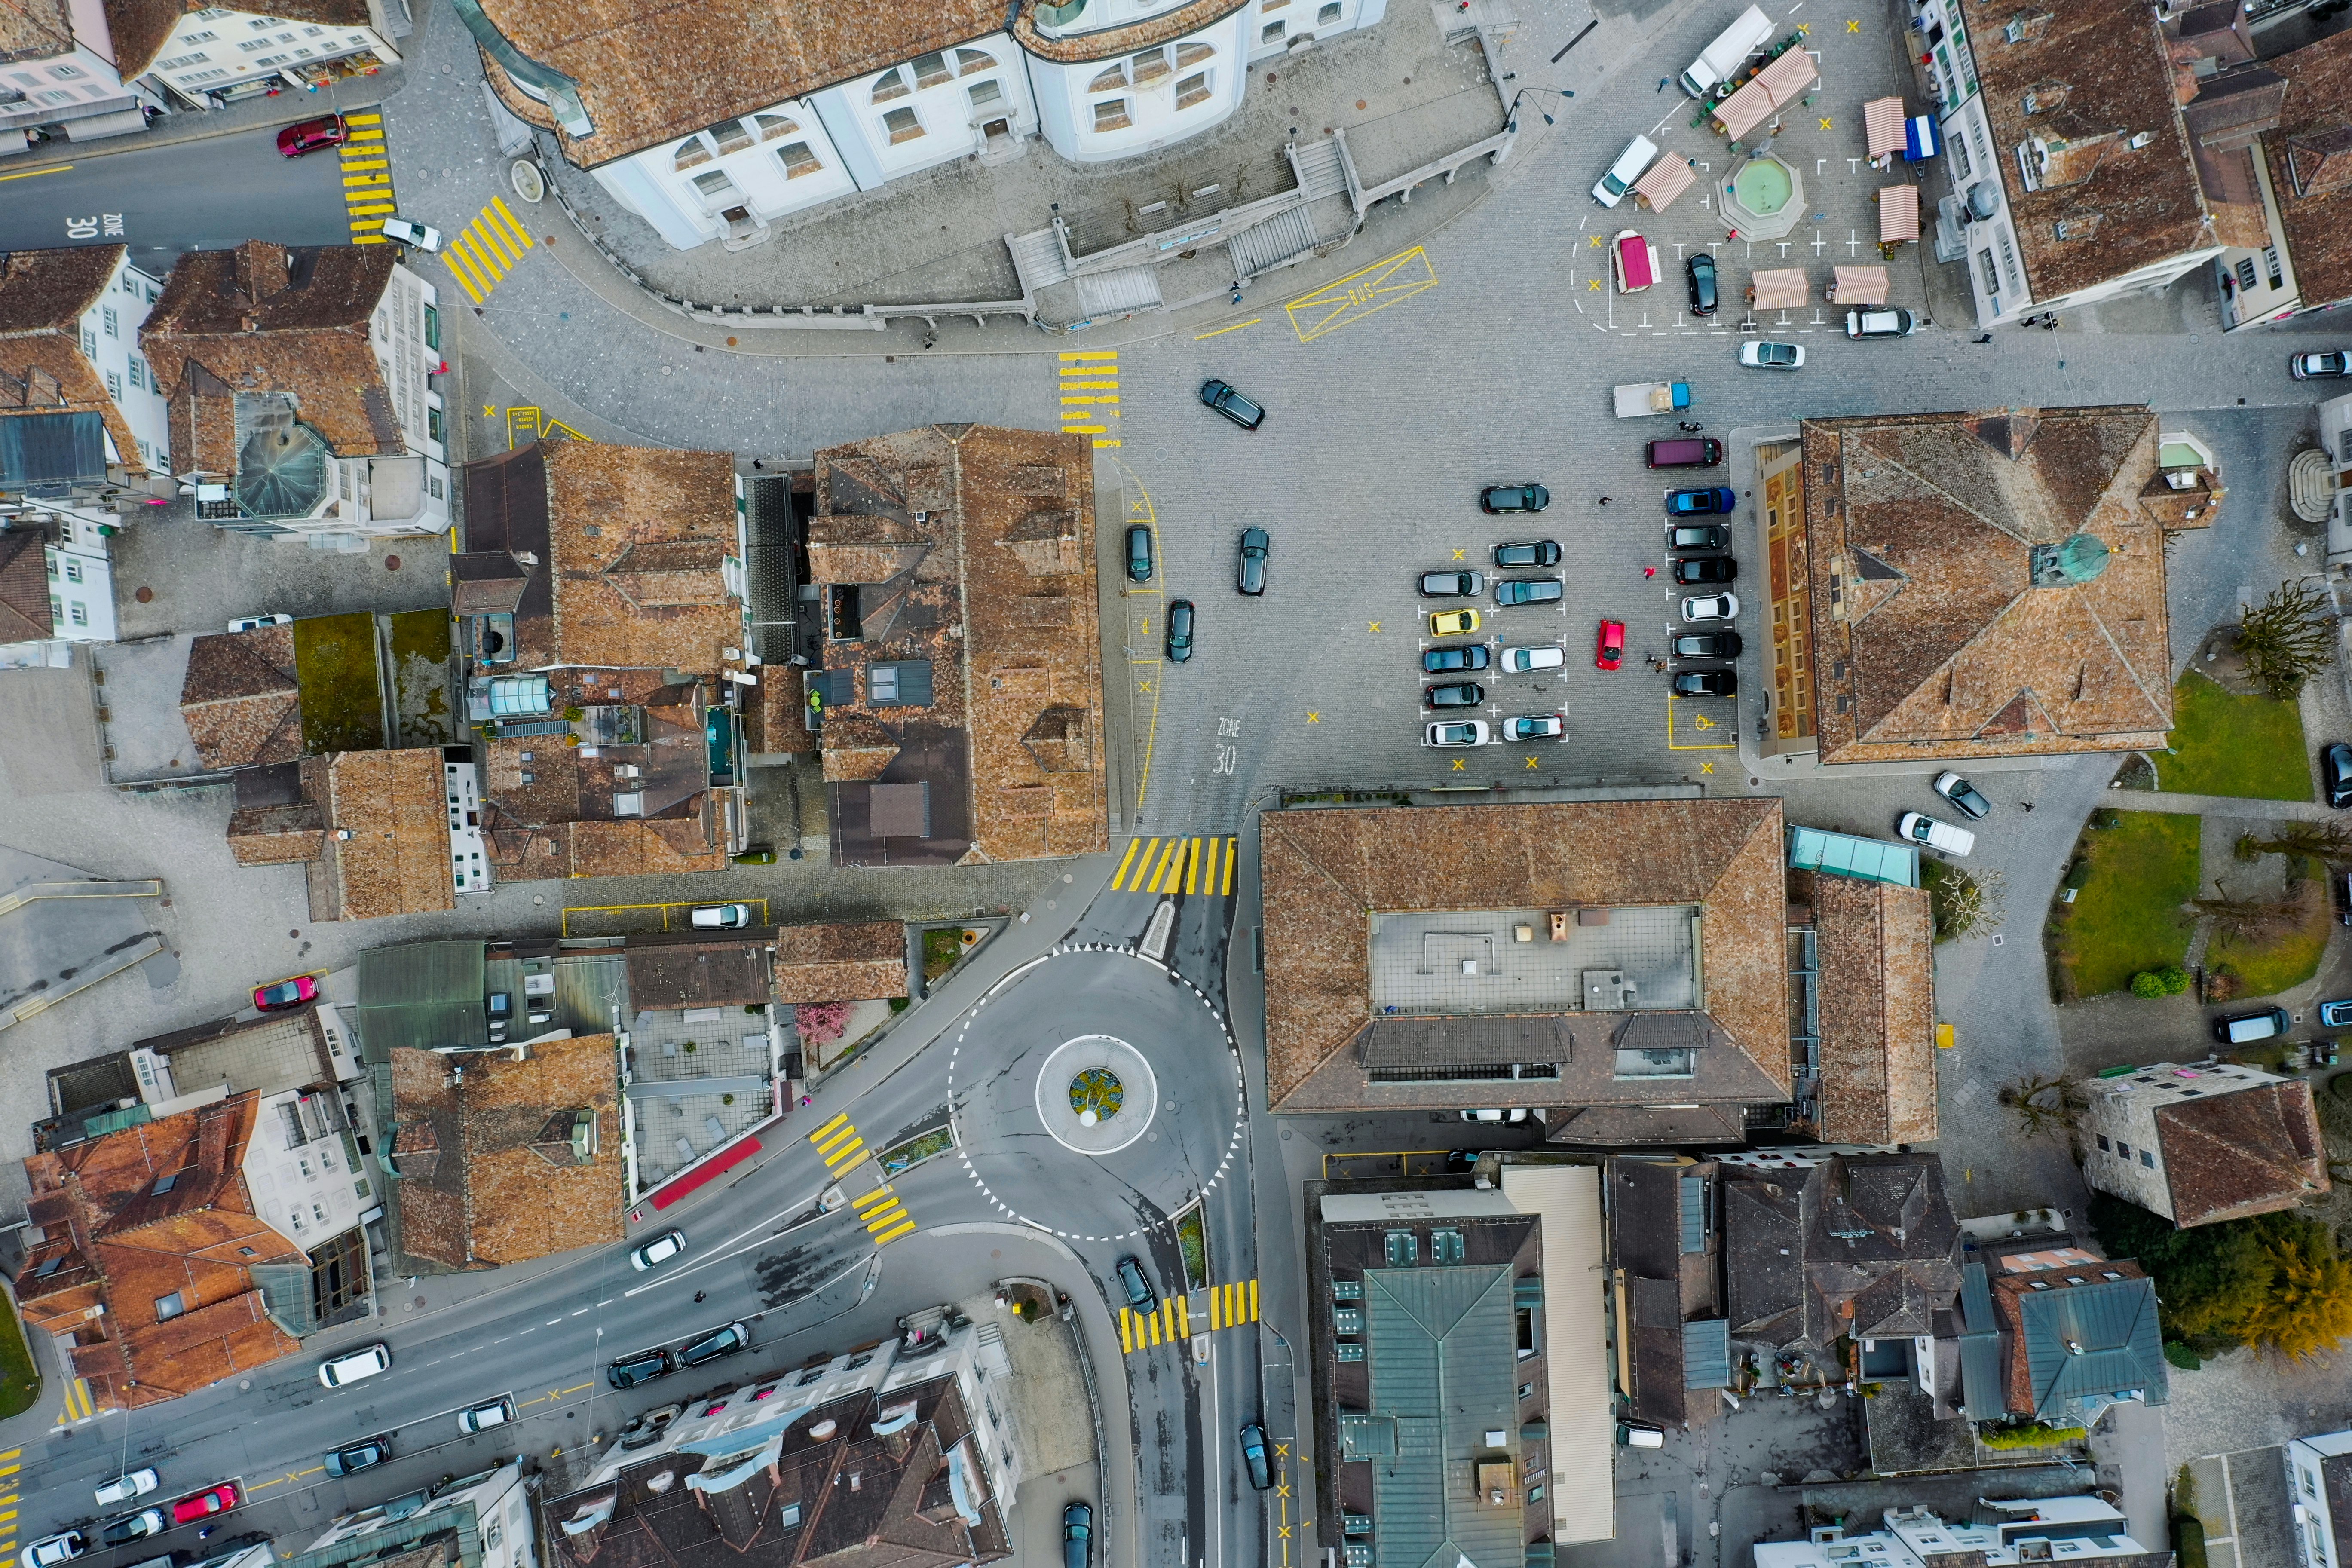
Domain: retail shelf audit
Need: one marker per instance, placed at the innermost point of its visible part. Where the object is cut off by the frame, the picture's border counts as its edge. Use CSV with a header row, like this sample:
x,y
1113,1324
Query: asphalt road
x,y
187,196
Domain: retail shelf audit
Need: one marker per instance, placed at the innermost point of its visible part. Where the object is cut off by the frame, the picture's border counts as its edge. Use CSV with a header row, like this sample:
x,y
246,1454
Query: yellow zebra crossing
x,y
78,1407
1178,865
1221,1307
1090,395
487,250
367,177
885,1217
10,1464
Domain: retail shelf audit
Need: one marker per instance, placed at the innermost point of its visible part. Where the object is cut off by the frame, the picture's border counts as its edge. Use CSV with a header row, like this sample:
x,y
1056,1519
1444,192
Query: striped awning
x,y
1782,289
1882,120
1860,285
1669,177
1779,83
1744,110
1898,212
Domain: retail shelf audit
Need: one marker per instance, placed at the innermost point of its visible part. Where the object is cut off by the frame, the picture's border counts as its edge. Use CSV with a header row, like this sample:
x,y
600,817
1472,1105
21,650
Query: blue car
x,y
2335,1014
1704,502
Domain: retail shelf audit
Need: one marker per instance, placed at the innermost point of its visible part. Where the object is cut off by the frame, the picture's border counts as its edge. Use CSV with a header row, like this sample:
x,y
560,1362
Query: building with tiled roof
x,y
207,55
959,704
1665,1258
66,78
2080,1334
2296,259
1861,1246
2204,1142
70,360
373,828
239,698
864,961
1874,993
297,384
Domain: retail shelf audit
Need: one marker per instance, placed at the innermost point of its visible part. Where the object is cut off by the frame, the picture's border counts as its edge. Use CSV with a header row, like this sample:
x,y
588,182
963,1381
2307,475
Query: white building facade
x,y
110,341
218,55
2312,1463
405,334
60,80
496,1503
2039,1530
305,1177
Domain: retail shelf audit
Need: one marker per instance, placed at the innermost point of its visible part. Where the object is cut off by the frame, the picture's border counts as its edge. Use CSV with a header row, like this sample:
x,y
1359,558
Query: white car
x,y
2332,362
1511,1116
1710,606
1456,733
721,917
1921,829
482,1417
1543,656
1757,354
1880,323
1625,170
255,623
345,1370
658,1251
422,236
51,1550
1539,727
123,1489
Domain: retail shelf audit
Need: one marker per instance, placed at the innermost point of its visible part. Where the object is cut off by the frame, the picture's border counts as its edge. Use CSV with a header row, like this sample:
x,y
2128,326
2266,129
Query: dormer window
x,y
890,84
971,62
731,136
1148,66
772,126
691,153
1111,80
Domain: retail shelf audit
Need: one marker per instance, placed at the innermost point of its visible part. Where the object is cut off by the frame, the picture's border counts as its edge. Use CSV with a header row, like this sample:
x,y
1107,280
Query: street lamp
x,y
1511,117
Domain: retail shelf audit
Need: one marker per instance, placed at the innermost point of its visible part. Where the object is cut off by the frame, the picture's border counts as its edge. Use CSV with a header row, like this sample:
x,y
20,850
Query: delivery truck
x,y
1638,399
1729,51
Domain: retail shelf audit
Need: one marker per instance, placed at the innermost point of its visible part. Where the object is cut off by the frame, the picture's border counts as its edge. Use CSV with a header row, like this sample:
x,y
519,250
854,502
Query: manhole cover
x,y
145,595
391,563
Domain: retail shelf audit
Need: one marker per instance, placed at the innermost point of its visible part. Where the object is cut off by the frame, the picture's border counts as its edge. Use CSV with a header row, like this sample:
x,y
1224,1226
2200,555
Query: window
x,y
1110,114
170,1306
1193,53
715,185
902,125
984,93
890,84
2103,1142
2310,1482
2147,1159
88,343
797,160
80,614
772,126
65,73
1111,80
2270,262
1148,66
164,1185
493,1537
2123,1149
53,563
56,609
2246,278
130,285
114,386
1329,15
931,70
690,152
1527,1391
1270,33
305,1163
431,327
73,570
138,373
113,323
731,136
968,61
1192,90
433,425
318,1213
203,38
245,1252
433,487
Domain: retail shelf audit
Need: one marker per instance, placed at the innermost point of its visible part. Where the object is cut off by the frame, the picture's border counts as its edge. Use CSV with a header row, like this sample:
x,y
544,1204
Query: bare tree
x,y
2247,920
2285,640
1965,902
2328,841
2045,1102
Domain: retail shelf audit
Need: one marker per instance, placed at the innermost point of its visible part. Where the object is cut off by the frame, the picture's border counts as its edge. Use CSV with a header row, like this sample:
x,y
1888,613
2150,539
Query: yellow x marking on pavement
x,y
1596,242
1313,717
1825,123
1282,1451
488,412
1457,764
1143,685
1457,555
1853,26
1531,761
1706,767
1592,286
1804,29
1376,625
1284,1528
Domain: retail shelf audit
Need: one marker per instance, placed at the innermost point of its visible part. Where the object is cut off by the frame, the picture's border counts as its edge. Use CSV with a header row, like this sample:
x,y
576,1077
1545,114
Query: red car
x,y
211,1501
1609,649
286,994
310,135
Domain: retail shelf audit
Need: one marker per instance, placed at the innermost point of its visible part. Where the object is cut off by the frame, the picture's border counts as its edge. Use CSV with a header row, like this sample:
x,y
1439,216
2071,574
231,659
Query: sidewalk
x,y
254,114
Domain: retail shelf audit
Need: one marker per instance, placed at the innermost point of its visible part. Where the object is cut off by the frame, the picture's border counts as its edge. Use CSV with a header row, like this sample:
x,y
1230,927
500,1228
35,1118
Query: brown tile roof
x,y
635,536
42,295
678,970
2099,74
500,1184
24,615
1855,1243
240,700
268,318
862,963
140,28
2225,122
1105,43
2250,1151
1324,872
655,73
2314,209
396,860
31,29
1931,638
1877,993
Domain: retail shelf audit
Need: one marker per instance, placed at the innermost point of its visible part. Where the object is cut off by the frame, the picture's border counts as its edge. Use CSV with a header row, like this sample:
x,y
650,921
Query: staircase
x,y
1264,247
1319,170
1037,259
1119,291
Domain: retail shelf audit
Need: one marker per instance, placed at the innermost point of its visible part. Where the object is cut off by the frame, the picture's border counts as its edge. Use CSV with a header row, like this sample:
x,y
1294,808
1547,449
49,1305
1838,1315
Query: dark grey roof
x,y
2090,1341
52,449
1872,1230
1979,1339
1643,1219
1442,1350
1464,1040
1656,1307
1694,1214
1706,1353
424,994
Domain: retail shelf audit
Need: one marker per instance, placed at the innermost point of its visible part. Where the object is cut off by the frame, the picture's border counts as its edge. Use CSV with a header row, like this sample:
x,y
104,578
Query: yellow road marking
x,y
362,119
1090,398
521,235
1101,445
1160,875
829,1126
1083,429
849,1151
881,1192
479,256
1233,847
1192,869
1221,331
1253,1301
474,291
881,1219
833,1138
484,232
888,1237
1126,1340
1363,292
1103,354
1120,876
1070,385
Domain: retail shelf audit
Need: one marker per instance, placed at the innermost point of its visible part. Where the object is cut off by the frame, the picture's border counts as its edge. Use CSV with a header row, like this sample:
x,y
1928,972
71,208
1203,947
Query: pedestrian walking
x,y
1649,571
1604,501
698,1295
1663,81
1237,293
1983,338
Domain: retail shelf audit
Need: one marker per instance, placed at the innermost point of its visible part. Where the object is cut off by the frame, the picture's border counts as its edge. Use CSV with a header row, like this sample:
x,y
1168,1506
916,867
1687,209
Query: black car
x,y
1261,1473
2335,772
1447,660
1251,578
360,1455
643,1367
1706,569
1138,554
133,1527
1514,498
1139,1290
1700,275
1180,631
1535,552
1529,590
1698,536
1457,694
1706,683
1451,585
711,1346
1962,793
1078,1535
1707,645
1221,397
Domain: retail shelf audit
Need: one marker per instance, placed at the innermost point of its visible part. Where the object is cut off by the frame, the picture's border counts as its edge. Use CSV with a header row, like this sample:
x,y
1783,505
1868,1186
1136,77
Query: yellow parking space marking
x,y
1366,291
1703,720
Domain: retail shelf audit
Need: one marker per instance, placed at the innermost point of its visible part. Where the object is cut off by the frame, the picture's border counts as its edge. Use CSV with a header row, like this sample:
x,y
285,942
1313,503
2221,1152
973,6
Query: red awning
x,y
1669,177
708,1171
1776,85
1898,213
1633,262
1882,120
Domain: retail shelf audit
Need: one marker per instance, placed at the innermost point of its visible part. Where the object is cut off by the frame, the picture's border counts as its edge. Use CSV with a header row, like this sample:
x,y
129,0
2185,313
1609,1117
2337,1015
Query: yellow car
x,y
1452,623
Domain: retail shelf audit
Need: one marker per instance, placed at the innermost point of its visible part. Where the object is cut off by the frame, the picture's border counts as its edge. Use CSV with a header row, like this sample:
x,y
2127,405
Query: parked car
x,y
1608,646
1178,639
643,1367
1962,793
720,917
1249,577
1536,727
1452,584
1706,683
1221,396
1140,1294
2245,1028
1456,733
420,236
1447,660
310,135
1537,655
1529,497
1253,1457
1455,694
1640,1434
1684,452
499,1411
1758,354
2335,1014
657,1251
1921,829
280,995
1697,569
1709,501
364,1455
1628,167
1707,645
342,1371
2329,361
133,1527
1887,323
123,1489
255,623
718,1342
1078,1527
1534,553
2335,772
1698,279
1139,554
1528,590
213,1499
1513,1116
1685,536
1711,607
51,1550
1452,623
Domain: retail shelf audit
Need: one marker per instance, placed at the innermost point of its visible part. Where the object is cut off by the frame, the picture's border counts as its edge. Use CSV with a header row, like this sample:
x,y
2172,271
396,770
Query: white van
x,y
345,1370
1730,49
1627,169
1920,829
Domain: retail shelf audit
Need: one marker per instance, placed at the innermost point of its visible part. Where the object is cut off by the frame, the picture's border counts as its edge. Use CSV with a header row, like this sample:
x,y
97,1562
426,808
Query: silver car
x,y
1710,606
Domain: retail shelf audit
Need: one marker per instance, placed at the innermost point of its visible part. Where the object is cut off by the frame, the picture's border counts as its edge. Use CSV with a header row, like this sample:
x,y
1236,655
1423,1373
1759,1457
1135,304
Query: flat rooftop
x,y
1472,960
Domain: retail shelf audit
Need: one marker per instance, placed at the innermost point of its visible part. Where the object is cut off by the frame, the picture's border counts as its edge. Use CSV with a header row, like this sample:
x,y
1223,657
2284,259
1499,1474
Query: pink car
x,y
286,994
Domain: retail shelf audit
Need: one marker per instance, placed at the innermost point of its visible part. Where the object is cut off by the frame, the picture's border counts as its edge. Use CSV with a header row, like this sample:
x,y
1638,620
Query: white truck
x,y
1727,53
1637,399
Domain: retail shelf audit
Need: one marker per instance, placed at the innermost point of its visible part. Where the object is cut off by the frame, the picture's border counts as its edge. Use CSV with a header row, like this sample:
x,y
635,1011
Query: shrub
x,y
2079,872
2247,848
688,1047
900,1004
2147,986
2030,1434
2106,816
726,1100
821,1022
2175,978
2182,1356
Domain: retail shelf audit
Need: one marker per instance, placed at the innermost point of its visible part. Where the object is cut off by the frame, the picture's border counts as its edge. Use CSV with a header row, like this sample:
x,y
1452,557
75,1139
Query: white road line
x,y
730,1247
551,1322
583,1310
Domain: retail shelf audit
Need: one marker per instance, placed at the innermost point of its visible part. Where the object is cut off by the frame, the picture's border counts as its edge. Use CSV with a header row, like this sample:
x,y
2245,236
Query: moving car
x,y
365,1454
424,237
1078,1526
1962,793
1709,501
1706,569
312,135
1511,1116
1451,585
1613,185
1711,607
1609,647
1452,623
1455,694
1456,733
1253,1455
721,917
213,1499
1921,829
1684,452
711,1346
659,1250
1528,590
2245,1028
1534,553
2335,772
1536,727
51,1550
2329,361
1757,354
1698,536
1221,397
1180,631
643,1367
1707,645
1698,279
343,1371
1541,656
1447,660
497,1413
278,996
1250,578
1140,1294
123,1489
255,623
1706,683
2335,1014
1514,498
1889,323
133,1527
1139,554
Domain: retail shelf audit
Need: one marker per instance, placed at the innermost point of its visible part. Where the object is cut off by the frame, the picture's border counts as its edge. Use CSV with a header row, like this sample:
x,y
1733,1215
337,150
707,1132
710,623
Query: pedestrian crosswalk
x,y
885,1217
367,177
11,1465
488,250
879,1211
1090,395
78,1406
1230,1306
1178,865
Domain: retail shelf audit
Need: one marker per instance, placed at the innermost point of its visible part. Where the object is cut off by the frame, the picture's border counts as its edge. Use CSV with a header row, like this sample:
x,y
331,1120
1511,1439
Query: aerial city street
x,y
1175,783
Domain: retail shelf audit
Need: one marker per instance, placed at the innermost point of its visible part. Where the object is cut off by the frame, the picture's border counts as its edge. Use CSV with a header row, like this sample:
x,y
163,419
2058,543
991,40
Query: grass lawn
x,y
342,696
18,1381
2249,747
2129,917
2284,958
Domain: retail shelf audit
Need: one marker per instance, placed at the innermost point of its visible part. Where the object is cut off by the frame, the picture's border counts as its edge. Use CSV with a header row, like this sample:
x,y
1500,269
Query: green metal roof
x,y
2090,1341
424,994
1443,1358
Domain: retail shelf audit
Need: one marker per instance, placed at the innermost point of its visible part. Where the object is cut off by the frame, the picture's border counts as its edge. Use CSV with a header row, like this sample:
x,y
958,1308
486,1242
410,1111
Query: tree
x,y
2285,640
2045,1102
1963,901
2276,1281
2247,920
2328,841
821,1022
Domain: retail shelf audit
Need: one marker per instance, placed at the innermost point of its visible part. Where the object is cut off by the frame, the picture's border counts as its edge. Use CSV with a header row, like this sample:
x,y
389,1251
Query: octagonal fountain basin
x,y
1763,198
